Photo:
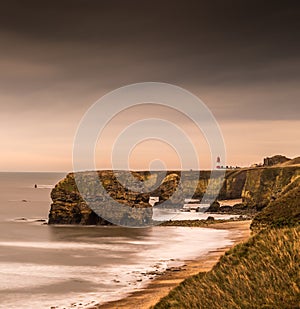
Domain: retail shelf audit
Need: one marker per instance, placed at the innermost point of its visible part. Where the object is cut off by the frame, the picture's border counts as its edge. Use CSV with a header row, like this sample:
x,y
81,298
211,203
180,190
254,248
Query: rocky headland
x,y
257,187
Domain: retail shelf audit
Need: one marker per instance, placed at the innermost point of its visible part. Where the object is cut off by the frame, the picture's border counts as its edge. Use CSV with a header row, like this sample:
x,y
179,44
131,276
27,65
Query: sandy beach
x,y
162,284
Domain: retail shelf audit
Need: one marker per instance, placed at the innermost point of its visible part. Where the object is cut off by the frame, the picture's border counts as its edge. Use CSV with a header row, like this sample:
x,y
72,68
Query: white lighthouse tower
x,y
218,163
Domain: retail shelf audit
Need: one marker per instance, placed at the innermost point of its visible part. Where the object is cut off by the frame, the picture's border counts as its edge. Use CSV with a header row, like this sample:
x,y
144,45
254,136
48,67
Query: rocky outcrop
x,y
278,159
68,207
112,201
257,187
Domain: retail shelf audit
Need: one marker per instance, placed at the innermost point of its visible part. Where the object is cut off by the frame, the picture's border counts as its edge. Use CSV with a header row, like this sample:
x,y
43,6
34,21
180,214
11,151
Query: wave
x,y
65,245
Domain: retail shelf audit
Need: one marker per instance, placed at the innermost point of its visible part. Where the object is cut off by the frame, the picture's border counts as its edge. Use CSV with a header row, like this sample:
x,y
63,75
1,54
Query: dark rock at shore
x,y
214,207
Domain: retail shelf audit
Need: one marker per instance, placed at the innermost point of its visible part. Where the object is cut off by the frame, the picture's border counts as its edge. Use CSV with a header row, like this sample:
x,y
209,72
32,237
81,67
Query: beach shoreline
x,y
161,285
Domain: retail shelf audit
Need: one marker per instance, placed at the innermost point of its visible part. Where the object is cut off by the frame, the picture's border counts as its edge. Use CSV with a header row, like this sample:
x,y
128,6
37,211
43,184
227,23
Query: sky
x,y
241,58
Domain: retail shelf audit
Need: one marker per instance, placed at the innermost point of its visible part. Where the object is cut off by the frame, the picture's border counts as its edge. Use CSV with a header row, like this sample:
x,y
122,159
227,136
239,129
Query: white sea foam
x,y
158,249
43,266
60,245
164,215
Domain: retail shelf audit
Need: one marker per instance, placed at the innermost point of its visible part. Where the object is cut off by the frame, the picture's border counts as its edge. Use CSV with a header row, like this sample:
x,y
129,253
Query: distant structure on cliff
x,y
221,166
275,160
218,165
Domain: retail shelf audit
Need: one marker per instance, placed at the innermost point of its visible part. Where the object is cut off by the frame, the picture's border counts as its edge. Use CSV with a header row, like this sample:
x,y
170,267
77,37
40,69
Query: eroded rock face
x,y
264,185
257,187
71,206
68,207
283,211
233,184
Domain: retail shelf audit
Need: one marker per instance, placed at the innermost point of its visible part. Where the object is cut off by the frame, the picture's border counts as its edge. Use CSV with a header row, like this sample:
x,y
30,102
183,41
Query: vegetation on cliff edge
x,y
261,273
284,211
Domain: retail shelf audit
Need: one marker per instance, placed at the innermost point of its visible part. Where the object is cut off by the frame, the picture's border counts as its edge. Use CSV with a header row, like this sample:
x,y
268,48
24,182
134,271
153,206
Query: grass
x,y
282,212
261,273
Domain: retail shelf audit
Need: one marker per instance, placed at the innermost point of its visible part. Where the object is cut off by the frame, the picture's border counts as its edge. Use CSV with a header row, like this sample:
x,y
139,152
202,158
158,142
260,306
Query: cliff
x,y
69,207
282,211
264,271
257,187
266,184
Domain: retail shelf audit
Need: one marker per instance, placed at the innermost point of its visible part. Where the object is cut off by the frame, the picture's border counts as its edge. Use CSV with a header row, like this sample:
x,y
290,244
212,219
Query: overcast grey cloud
x,y
57,57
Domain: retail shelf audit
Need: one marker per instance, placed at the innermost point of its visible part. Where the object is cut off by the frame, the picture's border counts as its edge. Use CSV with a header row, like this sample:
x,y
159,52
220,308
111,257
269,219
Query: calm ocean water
x,y
45,266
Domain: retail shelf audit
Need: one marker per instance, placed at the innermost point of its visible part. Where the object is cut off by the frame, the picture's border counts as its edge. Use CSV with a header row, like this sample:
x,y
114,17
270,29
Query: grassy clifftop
x,y
262,273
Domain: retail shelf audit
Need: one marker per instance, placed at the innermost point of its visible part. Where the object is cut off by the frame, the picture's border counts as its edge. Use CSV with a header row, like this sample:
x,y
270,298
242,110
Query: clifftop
x,y
278,159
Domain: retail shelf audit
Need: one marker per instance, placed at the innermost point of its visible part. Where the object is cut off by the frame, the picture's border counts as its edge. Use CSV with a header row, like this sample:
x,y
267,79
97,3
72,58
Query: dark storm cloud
x,y
62,45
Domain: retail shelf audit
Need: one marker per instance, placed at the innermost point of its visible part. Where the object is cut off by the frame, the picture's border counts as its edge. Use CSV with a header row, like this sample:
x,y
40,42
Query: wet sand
x,y
161,285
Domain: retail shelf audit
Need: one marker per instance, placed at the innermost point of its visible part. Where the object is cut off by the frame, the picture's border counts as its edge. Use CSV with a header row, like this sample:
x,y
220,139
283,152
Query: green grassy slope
x,y
262,273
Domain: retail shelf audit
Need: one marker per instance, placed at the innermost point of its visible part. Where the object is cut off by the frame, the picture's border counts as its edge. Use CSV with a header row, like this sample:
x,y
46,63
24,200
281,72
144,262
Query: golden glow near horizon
x,y
246,142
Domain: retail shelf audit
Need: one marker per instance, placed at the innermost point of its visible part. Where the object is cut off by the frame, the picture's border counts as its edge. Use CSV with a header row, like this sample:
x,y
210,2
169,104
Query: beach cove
x,y
45,266
162,284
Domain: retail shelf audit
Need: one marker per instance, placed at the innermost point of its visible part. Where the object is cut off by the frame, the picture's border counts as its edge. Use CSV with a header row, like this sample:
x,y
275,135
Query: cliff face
x,y
233,184
258,187
69,207
282,211
266,184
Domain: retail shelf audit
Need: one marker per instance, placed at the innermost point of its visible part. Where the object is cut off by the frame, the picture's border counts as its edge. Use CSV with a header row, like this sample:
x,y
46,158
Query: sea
x,y
45,266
